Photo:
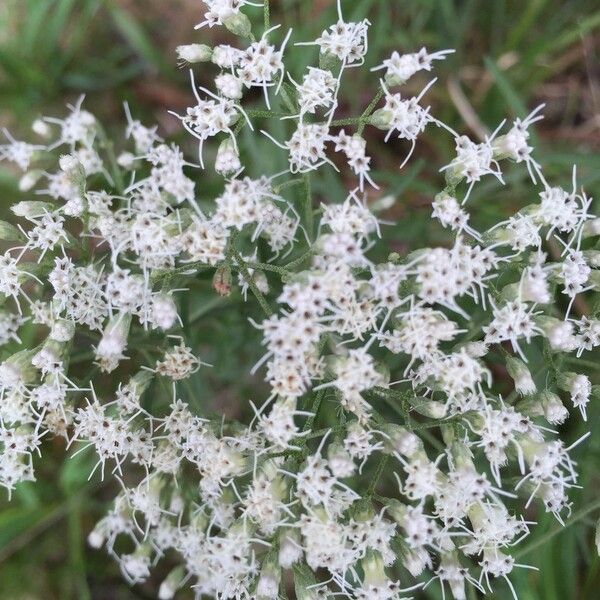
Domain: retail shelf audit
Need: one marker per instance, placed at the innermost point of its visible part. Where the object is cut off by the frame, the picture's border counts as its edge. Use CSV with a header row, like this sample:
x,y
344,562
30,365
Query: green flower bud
x,y
374,571
381,118
29,180
521,375
429,408
239,24
41,128
269,580
171,584
554,410
18,370
194,53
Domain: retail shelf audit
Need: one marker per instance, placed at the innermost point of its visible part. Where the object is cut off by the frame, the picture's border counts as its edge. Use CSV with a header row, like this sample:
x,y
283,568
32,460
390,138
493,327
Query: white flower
x,y
401,67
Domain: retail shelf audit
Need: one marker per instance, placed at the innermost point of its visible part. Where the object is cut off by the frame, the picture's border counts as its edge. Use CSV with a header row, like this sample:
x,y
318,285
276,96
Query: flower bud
x,y
340,462
559,333
268,581
41,128
592,258
454,173
194,53
228,160
17,370
62,330
502,148
230,86
429,408
113,343
401,440
139,382
126,160
74,170
374,574
238,24
29,180
383,203
521,375
163,311
137,564
594,280
171,584
476,349
381,118
450,564
50,358
97,536
554,410
397,510
68,163
290,548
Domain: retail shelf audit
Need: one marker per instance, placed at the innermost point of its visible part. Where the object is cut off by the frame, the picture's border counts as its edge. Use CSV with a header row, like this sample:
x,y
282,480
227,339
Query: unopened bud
x,y
41,128
381,118
194,53
113,343
126,160
238,24
268,581
521,375
171,584
29,180
228,160
554,410
290,547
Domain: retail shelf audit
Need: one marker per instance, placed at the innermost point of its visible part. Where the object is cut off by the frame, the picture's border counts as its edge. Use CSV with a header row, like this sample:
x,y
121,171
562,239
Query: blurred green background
x,y
511,56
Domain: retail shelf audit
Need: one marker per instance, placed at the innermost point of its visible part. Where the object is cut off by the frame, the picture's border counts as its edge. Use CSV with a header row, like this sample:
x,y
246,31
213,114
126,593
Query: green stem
x,y
299,260
380,468
581,362
367,113
76,549
287,184
264,114
314,409
250,281
108,146
266,14
308,207
348,121
267,267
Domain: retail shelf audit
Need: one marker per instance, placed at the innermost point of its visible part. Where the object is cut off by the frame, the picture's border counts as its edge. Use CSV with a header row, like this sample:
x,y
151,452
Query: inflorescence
x,y
110,247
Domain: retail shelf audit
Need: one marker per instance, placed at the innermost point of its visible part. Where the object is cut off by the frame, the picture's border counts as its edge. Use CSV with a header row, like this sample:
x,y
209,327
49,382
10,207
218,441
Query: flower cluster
x,y
97,268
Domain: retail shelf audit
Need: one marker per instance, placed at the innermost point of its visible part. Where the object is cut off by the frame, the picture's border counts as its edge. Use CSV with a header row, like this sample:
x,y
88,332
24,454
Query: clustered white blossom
x,y
97,266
